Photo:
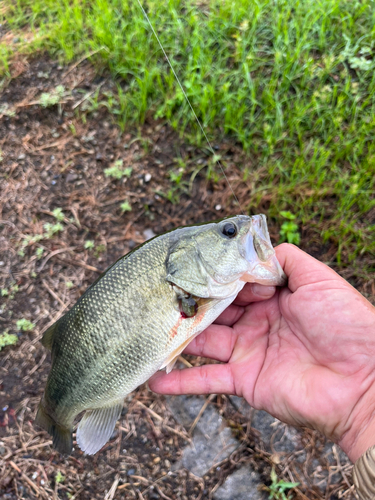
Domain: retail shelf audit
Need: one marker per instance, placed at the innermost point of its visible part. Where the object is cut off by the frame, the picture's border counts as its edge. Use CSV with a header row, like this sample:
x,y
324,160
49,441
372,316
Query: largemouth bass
x,y
140,315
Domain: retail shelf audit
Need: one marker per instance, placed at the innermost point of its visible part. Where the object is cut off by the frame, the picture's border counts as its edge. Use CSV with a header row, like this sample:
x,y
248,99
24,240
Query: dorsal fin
x,y
48,336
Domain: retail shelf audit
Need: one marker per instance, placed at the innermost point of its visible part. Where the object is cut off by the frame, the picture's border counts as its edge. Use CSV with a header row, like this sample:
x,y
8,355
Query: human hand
x,y
306,355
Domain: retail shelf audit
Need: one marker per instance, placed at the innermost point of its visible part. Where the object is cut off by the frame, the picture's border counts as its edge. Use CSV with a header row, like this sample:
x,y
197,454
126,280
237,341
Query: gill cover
x,y
205,262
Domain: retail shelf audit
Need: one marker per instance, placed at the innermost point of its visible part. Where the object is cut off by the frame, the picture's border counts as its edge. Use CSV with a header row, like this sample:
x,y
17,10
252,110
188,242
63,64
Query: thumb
x,y
302,269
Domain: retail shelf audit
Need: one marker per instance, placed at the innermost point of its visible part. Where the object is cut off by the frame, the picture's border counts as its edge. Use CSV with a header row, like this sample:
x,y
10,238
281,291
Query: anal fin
x,y
96,427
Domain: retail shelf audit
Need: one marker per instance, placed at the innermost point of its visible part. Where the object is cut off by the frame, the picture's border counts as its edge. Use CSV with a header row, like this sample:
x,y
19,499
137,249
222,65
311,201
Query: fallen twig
x,y
89,94
113,488
29,482
90,54
160,419
81,264
201,411
54,295
52,254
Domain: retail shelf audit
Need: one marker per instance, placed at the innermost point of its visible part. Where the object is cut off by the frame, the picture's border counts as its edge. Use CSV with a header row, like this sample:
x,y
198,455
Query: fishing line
x,y
188,101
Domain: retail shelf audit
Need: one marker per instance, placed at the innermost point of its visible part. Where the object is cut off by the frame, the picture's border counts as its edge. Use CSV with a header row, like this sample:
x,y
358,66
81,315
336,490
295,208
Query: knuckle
x,y
200,343
206,379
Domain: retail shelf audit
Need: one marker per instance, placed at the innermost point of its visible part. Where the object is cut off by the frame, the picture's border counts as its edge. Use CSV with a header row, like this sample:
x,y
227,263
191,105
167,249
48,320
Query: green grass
x,y
293,81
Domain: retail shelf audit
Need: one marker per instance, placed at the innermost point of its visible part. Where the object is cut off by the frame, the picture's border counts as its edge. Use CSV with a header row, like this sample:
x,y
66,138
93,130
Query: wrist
x,y
361,434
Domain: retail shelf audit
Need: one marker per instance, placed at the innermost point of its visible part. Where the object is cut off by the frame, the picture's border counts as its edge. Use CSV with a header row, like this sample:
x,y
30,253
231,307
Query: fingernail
x,y
263,290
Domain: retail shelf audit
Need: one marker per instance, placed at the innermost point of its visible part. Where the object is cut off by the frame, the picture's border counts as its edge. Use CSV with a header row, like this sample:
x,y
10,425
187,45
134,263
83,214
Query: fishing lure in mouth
x,y
140,315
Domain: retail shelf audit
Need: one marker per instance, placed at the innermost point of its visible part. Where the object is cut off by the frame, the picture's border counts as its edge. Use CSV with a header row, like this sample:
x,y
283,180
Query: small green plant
x,y
39,252
52,229
99,249
289,230
126,207
176,176
117,172
171,195
69,284
6,110
278,487
58,214
59,478
72,129
7,339
89,244
25,325
51,98
29,240
9,293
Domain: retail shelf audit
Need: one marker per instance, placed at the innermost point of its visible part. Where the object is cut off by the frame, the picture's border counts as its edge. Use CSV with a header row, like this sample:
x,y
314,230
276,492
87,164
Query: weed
x,y
52,229
31,240
179,184
117,172
58,214
39,252
69,284
126,207
89,244
51,99
7,339
6,110
99,250
278,487
59,478
289,230
10,293
25,325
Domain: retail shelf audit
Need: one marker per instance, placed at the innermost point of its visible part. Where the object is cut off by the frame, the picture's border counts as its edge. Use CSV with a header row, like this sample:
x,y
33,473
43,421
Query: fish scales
x,y
107,330
133,321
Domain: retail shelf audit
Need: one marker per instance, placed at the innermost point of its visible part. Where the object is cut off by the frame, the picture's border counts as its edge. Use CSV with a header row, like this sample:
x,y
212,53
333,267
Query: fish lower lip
x,y
266,273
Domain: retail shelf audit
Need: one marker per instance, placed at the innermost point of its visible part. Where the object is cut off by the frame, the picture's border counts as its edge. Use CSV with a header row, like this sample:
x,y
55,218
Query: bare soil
x,y
55,157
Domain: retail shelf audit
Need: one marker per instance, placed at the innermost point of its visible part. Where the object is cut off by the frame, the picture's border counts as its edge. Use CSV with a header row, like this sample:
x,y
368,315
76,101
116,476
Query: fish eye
x,y
229,229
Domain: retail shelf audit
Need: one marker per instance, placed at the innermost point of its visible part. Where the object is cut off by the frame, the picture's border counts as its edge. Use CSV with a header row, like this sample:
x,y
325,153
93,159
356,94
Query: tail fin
x,y
62,436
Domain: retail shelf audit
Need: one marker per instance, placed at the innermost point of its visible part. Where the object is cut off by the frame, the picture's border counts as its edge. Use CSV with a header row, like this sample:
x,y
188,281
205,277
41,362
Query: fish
x,y
139,315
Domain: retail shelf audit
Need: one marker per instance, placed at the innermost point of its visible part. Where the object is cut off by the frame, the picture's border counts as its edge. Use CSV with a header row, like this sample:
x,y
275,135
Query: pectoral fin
x,y
172,358
96,427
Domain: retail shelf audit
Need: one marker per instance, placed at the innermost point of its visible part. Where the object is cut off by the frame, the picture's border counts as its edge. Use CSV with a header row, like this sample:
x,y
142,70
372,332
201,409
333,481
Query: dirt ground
x,y
54,157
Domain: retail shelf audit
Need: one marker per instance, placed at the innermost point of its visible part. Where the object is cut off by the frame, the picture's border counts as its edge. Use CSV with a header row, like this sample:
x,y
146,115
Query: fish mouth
x,y
264,268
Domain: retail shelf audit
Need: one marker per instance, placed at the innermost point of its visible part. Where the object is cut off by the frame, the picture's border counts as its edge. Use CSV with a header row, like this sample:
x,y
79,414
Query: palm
x,y
291,357
306,355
